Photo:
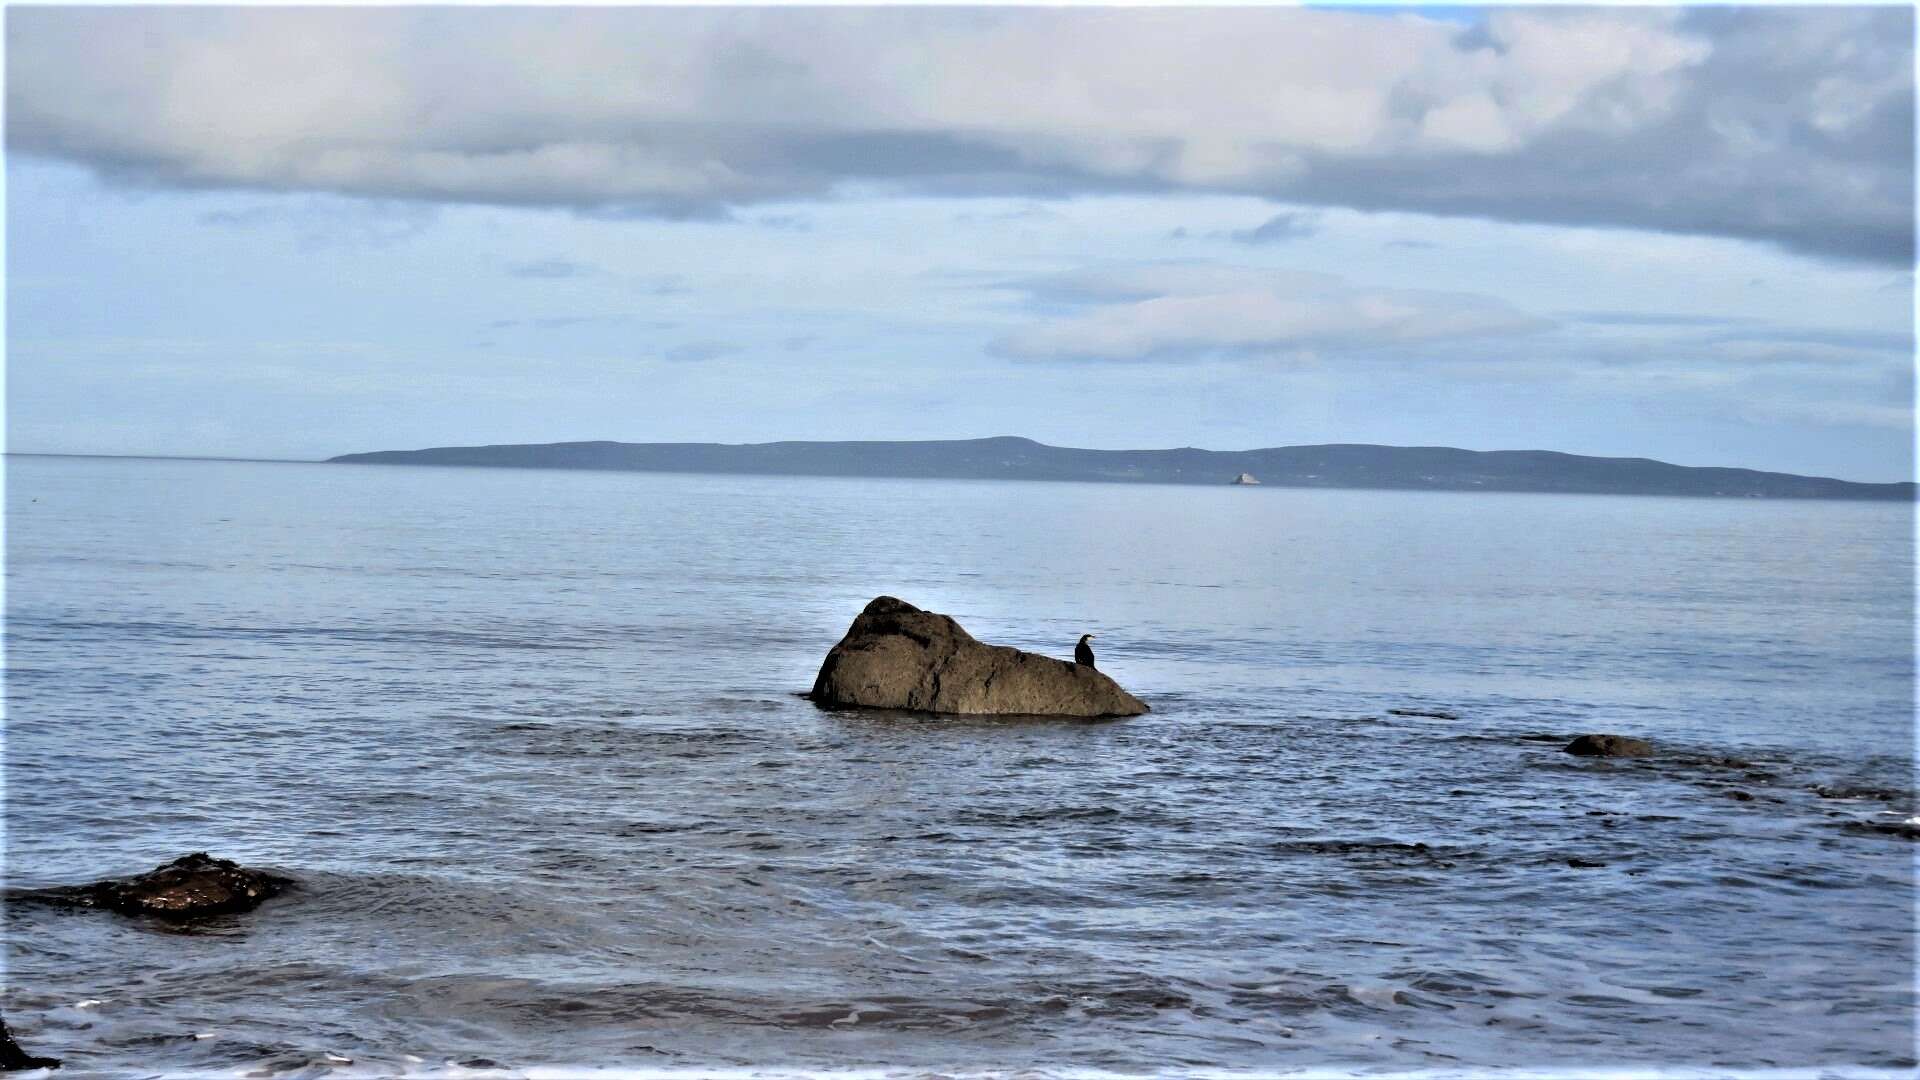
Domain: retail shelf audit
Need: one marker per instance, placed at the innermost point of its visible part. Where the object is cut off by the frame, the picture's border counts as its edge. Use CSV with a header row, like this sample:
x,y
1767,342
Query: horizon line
x,y
1912,478
162,457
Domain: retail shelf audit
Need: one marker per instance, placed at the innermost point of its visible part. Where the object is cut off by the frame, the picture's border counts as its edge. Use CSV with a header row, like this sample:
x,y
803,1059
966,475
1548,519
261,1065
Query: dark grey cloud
x,y
1792,126
1280,228
1789,109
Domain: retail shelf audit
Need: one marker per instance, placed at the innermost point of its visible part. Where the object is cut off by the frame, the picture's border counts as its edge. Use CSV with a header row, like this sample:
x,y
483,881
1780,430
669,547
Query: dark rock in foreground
x,y
13,1059
1609,746
896,656
189,887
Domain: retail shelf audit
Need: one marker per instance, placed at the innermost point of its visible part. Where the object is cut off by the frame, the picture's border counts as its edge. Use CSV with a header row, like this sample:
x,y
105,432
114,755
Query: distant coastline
x,y
1338,465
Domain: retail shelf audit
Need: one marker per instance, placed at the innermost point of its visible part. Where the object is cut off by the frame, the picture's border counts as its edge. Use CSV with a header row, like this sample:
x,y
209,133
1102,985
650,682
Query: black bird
x,y
1083,652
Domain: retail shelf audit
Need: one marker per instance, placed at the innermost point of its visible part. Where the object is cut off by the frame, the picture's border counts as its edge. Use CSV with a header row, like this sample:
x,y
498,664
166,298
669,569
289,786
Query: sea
x,y
534,746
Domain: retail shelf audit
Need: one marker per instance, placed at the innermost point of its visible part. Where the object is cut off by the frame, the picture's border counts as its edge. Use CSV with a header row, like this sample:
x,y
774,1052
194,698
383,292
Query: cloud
x,y
1292,225
562,322
1899,342
1029,213
1728,343
1865,354
673,285
1192,309
1653,318
1758,351
696,352
785,222
552,269
568,322
320,222
1837,413
1793,126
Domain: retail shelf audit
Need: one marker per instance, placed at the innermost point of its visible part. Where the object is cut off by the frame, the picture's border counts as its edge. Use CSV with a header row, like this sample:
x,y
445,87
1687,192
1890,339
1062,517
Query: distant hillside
x,y
1340,465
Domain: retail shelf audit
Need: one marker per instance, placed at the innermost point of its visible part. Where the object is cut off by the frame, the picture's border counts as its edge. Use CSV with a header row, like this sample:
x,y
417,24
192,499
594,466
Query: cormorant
x,y
1083,652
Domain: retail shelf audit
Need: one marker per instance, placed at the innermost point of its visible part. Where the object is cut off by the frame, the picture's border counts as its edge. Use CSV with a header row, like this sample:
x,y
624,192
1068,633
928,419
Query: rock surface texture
x,y
188,887
896,656
1609,746
14,1059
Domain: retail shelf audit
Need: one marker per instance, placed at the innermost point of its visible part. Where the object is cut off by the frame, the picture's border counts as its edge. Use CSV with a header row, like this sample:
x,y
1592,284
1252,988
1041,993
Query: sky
x,y
1678,233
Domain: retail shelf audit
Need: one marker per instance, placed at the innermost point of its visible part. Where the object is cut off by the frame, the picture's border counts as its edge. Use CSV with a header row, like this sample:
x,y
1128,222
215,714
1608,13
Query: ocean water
x,y
531,743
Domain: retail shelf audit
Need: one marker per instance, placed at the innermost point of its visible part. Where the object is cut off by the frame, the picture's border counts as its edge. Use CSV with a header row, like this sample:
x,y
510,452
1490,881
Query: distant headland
x,y
1337,465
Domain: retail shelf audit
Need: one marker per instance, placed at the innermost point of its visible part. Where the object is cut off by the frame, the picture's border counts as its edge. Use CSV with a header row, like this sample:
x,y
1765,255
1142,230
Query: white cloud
x,y
1195,309
1837,413
1773,124
1809,353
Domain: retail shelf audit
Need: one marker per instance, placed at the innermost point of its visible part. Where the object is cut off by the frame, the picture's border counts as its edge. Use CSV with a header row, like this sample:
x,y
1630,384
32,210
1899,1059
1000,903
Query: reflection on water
x,y
530,742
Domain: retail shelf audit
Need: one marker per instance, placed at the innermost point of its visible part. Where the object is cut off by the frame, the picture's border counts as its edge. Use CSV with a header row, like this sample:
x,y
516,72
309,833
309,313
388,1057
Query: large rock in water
x,y
188,887
896,656
14,1059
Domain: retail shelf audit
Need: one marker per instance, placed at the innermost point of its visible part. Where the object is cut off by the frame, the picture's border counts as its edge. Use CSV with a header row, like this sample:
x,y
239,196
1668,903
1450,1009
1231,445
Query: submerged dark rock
x,y
1609,746
896,656
1903,829
1378,853
14,1059
189,887
1859,791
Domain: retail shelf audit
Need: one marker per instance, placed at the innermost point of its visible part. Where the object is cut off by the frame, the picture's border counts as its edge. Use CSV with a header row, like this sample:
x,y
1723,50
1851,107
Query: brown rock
x,y
188,887
1609,746
896,656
